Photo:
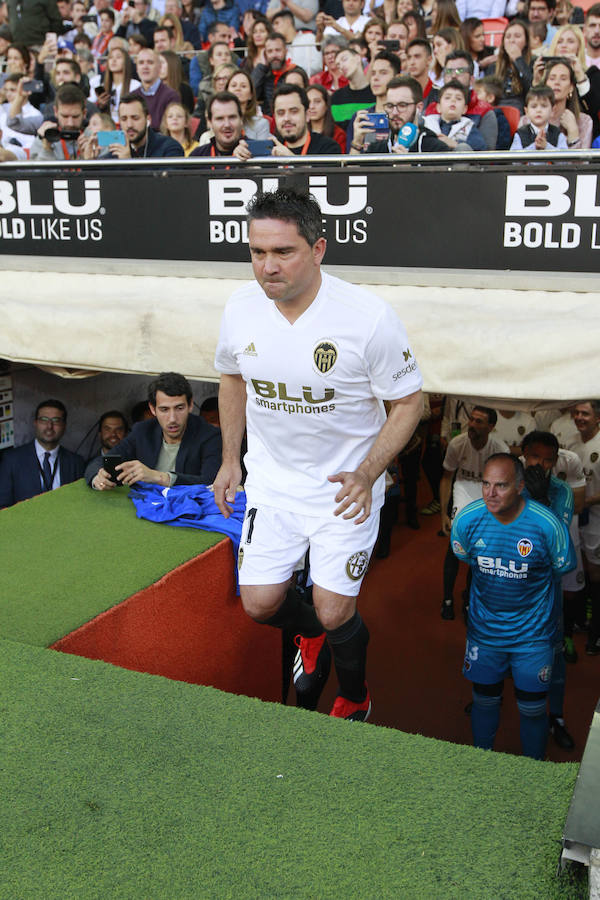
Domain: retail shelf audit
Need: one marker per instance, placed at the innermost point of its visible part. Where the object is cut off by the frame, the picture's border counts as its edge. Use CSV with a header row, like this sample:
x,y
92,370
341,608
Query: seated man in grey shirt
x,y
174,447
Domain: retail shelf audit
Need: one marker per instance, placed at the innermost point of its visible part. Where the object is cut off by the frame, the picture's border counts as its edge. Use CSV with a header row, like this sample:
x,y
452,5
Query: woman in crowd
x,y
118,80
256,127
566,113
191,12
567,14
445,15
171,73
474,39
331,77
319,115
373,32
514,64
415,24
569,43
176,124
257,38
18,60
445,41
181,46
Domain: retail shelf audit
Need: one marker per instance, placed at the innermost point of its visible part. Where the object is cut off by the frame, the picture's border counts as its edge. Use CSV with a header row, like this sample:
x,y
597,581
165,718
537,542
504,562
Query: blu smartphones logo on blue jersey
x,y
490,565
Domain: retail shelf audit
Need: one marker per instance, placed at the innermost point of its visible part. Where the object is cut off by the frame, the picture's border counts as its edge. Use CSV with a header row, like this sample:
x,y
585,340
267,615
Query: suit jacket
x,y
198,459
20,474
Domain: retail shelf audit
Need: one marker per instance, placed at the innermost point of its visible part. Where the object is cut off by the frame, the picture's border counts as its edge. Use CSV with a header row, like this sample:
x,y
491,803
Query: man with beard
x,y
142,141
293,135
266,76
224,117
403,106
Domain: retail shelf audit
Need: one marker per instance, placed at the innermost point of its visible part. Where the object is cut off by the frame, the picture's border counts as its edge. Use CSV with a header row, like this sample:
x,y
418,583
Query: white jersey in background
x,y
513,430
564,429
468,463
314,388
589,454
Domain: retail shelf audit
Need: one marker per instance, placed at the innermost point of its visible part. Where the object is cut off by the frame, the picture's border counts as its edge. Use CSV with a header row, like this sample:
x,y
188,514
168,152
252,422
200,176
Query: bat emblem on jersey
x,y
524,546
325,355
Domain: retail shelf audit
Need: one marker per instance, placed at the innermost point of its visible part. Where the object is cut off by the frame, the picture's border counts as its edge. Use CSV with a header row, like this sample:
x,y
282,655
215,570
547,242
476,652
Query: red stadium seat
x,y
494,29
513,116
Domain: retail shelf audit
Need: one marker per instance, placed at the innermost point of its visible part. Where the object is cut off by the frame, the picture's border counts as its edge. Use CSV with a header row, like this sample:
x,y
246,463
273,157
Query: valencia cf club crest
x,y
325,356
524,546
357,565
594,457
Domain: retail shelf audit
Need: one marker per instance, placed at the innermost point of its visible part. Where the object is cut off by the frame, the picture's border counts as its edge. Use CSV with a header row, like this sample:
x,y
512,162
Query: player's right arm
x,y
459,540
450,466
232,416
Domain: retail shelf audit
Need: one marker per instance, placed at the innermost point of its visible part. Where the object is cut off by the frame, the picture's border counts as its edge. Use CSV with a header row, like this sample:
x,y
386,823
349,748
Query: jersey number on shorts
x,y
251,514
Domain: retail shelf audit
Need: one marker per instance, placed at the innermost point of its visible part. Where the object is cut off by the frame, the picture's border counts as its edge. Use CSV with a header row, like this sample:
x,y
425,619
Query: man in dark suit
x,y
172,447
42,464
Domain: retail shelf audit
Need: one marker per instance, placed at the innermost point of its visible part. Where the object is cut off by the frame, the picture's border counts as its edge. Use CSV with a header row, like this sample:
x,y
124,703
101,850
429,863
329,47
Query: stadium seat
x,y
493,30
513,116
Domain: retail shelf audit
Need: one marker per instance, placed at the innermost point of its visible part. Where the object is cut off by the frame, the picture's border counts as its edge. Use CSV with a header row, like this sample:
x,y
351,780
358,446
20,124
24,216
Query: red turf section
x,y
189,626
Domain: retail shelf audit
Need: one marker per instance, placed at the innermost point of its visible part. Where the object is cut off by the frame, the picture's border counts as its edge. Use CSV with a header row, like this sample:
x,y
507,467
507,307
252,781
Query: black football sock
x,y
296,614
349,647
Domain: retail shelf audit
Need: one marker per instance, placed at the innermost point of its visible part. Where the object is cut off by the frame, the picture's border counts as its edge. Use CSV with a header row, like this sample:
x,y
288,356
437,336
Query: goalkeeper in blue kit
x,y
516,548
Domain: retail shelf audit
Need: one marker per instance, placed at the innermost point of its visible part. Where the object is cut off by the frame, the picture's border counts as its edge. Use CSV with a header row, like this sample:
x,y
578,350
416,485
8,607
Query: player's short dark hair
x,y
113,414
169,30
545,438
540,90
420,42
285,89
139,39
456,86
462,54
595,404
109,12
212,48
289,205
135,98
593,10
212,28
283,12
492,85
71,63
492,415
211,404
276,36
551,4
411,83
138,411
57,404
170,383
517,464
68,94
391,58
222,97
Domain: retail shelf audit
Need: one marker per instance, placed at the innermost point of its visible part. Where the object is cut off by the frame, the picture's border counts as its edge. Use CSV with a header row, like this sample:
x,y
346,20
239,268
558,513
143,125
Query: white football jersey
x,y
468,463
564,429
589,454
569,468
314,388
513,430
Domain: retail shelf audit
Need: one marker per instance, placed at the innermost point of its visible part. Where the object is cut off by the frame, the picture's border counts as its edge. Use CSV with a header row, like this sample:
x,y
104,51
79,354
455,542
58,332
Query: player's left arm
x,y
561,549
355,494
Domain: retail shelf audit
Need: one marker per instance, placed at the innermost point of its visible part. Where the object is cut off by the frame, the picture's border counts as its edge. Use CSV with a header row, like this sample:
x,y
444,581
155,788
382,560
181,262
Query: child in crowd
x,y
537,37
490,90
450,124
539,134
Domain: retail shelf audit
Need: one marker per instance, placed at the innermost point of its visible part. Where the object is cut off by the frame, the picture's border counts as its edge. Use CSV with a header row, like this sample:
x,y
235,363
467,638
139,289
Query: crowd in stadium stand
x,y
254,78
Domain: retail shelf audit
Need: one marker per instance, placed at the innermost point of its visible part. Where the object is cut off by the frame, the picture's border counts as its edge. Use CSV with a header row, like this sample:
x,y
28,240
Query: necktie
x,y
47,472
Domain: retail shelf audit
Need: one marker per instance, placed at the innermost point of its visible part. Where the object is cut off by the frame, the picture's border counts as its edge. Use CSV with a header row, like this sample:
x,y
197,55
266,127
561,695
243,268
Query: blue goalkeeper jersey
x,y
512,601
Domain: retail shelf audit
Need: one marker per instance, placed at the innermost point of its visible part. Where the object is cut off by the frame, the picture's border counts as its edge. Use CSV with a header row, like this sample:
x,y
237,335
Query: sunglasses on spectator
x,y
461,71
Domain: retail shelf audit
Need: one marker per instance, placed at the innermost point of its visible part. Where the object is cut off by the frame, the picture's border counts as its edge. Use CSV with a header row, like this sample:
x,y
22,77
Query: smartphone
x,y
109,463
260,148
106,138
381,124
88,18
552,59
390,45
34,86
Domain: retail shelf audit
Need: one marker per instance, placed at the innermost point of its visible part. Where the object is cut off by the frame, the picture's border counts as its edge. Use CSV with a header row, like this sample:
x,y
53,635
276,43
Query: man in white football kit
x,y
463,472
587,447
306,361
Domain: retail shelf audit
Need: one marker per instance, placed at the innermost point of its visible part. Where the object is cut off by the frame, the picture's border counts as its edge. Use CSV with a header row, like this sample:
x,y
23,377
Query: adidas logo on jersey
x,y
250,350
480,543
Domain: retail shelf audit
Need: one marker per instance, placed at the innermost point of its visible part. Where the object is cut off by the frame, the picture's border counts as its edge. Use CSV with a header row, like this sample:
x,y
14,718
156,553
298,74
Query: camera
x,y
88,18
53,135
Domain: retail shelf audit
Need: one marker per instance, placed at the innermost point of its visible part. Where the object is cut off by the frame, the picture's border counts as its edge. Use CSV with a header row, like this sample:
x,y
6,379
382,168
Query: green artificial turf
x,y
117,784
69,555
